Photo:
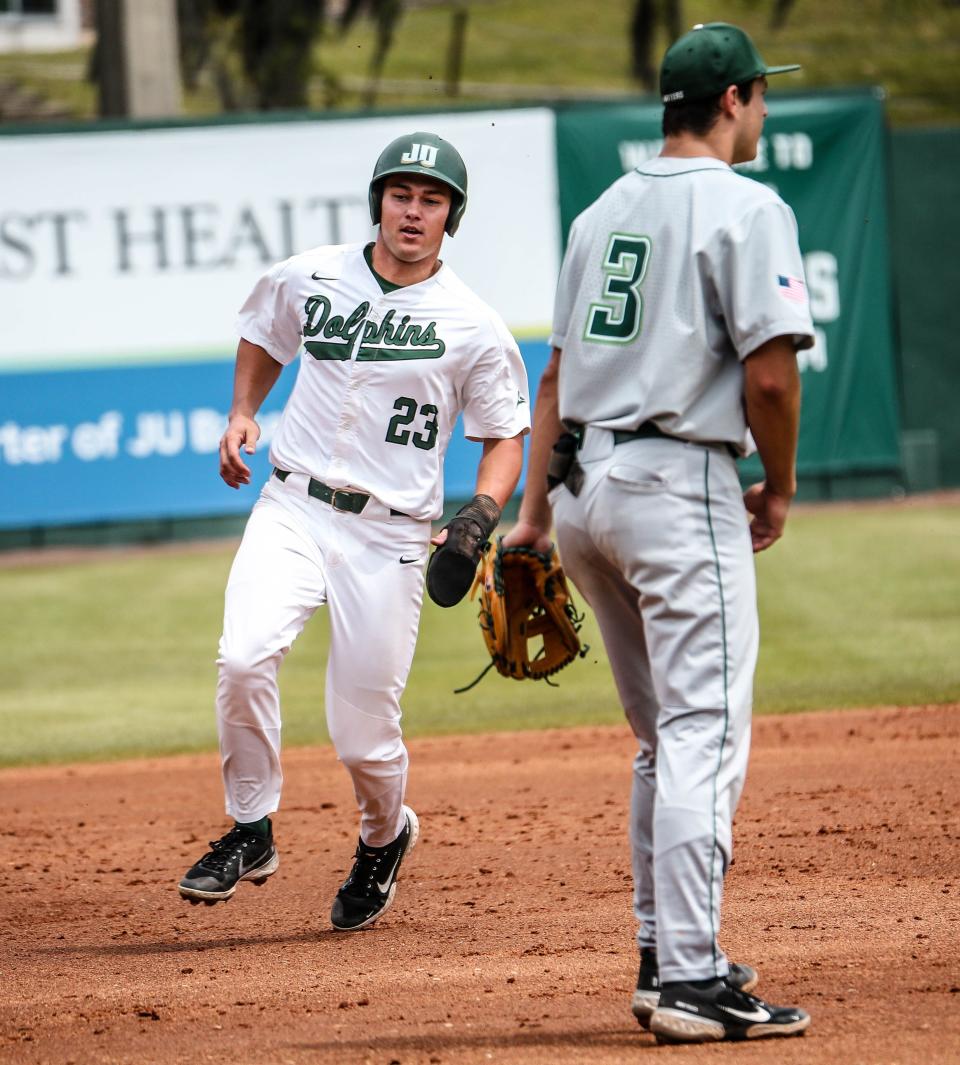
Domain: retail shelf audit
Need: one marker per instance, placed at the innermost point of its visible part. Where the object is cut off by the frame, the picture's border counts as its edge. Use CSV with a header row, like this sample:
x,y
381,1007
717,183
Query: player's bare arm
x,y
499,469
497,474
772,400
533,524
255,374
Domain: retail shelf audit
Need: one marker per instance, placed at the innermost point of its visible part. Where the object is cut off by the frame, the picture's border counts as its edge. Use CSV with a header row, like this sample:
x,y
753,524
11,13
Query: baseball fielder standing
x,y
679,311
394,347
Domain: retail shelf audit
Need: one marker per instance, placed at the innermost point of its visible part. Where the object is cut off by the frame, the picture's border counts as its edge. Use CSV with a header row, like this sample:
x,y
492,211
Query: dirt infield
x,y
511,937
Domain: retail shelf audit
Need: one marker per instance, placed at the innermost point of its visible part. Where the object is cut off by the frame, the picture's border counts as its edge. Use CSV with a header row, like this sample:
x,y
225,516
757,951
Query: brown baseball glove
x,y
527,617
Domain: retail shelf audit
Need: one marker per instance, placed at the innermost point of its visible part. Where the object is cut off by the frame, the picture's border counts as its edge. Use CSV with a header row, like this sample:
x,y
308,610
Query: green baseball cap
x,y
706,60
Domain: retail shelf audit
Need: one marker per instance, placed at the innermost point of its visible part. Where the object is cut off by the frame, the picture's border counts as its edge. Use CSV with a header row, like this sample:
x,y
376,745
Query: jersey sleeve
x,y
268,319
495,394
759,280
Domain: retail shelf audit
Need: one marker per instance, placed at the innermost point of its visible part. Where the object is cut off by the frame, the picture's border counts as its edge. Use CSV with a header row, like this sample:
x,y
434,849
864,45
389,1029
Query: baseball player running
x,y
679,311
394,347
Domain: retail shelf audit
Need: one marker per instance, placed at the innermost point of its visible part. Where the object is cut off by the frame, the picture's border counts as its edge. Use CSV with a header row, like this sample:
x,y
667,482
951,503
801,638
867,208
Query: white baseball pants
x,y
297,554
659,546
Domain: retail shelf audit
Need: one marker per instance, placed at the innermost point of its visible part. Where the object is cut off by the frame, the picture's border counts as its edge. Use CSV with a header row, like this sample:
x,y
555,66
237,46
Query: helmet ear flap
x,y
375,199
458,205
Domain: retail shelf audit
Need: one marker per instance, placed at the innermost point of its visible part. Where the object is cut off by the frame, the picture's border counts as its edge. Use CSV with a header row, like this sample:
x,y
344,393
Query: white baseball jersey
x,y
383,376
680,270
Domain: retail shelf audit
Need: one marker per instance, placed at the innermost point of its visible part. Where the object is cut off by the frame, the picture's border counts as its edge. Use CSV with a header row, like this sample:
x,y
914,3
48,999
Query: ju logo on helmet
x,y
424,154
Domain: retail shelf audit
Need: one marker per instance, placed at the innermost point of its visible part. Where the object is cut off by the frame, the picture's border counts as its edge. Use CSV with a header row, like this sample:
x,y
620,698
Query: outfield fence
x,y
125,250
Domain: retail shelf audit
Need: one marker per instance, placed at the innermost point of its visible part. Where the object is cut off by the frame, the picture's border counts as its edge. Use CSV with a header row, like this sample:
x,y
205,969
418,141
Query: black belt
x,y
650,430
338,498
644,432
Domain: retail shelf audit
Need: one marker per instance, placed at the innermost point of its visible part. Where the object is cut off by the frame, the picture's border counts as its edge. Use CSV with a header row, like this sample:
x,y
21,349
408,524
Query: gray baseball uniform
x,y
678,272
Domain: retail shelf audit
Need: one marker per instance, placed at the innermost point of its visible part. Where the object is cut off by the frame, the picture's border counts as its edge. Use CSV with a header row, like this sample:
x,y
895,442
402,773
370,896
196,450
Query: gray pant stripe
x,y
726,708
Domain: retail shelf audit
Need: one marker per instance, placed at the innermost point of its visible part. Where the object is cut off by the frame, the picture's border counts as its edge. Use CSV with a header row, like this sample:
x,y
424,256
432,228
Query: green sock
x,y
258,828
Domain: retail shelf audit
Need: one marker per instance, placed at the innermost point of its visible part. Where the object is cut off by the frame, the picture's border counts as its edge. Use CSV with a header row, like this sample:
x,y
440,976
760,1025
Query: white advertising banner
x,y
133,246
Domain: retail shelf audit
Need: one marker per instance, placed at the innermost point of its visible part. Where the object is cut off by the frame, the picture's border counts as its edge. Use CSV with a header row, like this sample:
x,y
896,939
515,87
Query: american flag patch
x,y
792,288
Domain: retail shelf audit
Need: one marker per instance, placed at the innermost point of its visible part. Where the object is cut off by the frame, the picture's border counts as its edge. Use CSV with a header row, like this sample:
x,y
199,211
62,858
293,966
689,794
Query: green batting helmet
x,y
428,155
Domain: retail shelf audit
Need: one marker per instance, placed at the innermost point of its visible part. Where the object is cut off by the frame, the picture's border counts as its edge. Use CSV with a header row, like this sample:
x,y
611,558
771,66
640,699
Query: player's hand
x,y
769,512
242,434
526,534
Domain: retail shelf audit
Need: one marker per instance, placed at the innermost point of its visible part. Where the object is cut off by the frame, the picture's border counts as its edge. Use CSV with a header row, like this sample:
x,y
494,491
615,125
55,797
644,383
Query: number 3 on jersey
x,y
616,317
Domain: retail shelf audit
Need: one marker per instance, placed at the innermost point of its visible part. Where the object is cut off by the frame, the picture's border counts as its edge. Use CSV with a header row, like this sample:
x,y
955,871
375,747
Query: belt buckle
x,y
341,500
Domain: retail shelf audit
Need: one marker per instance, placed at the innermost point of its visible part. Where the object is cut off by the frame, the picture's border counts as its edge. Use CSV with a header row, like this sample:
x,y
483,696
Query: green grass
x,y
861,607
550,47
114,655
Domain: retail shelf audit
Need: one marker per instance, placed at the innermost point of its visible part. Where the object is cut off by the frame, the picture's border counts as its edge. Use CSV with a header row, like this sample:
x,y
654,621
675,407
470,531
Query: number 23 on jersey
x,y
409,409
615,318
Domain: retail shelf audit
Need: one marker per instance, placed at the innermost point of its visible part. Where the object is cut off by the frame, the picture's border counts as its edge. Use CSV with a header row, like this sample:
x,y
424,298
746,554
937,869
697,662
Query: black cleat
x,y
691,1014
369,889
239,855
647,996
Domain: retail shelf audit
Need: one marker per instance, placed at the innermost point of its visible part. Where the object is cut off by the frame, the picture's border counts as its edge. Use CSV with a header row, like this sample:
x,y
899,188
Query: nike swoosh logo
x,y
319,277
407,561
245,867
758,1015
385,886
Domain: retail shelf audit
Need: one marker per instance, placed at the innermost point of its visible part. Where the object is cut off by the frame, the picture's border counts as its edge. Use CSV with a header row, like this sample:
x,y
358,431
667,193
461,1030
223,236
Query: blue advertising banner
x,y
119,443
137,442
